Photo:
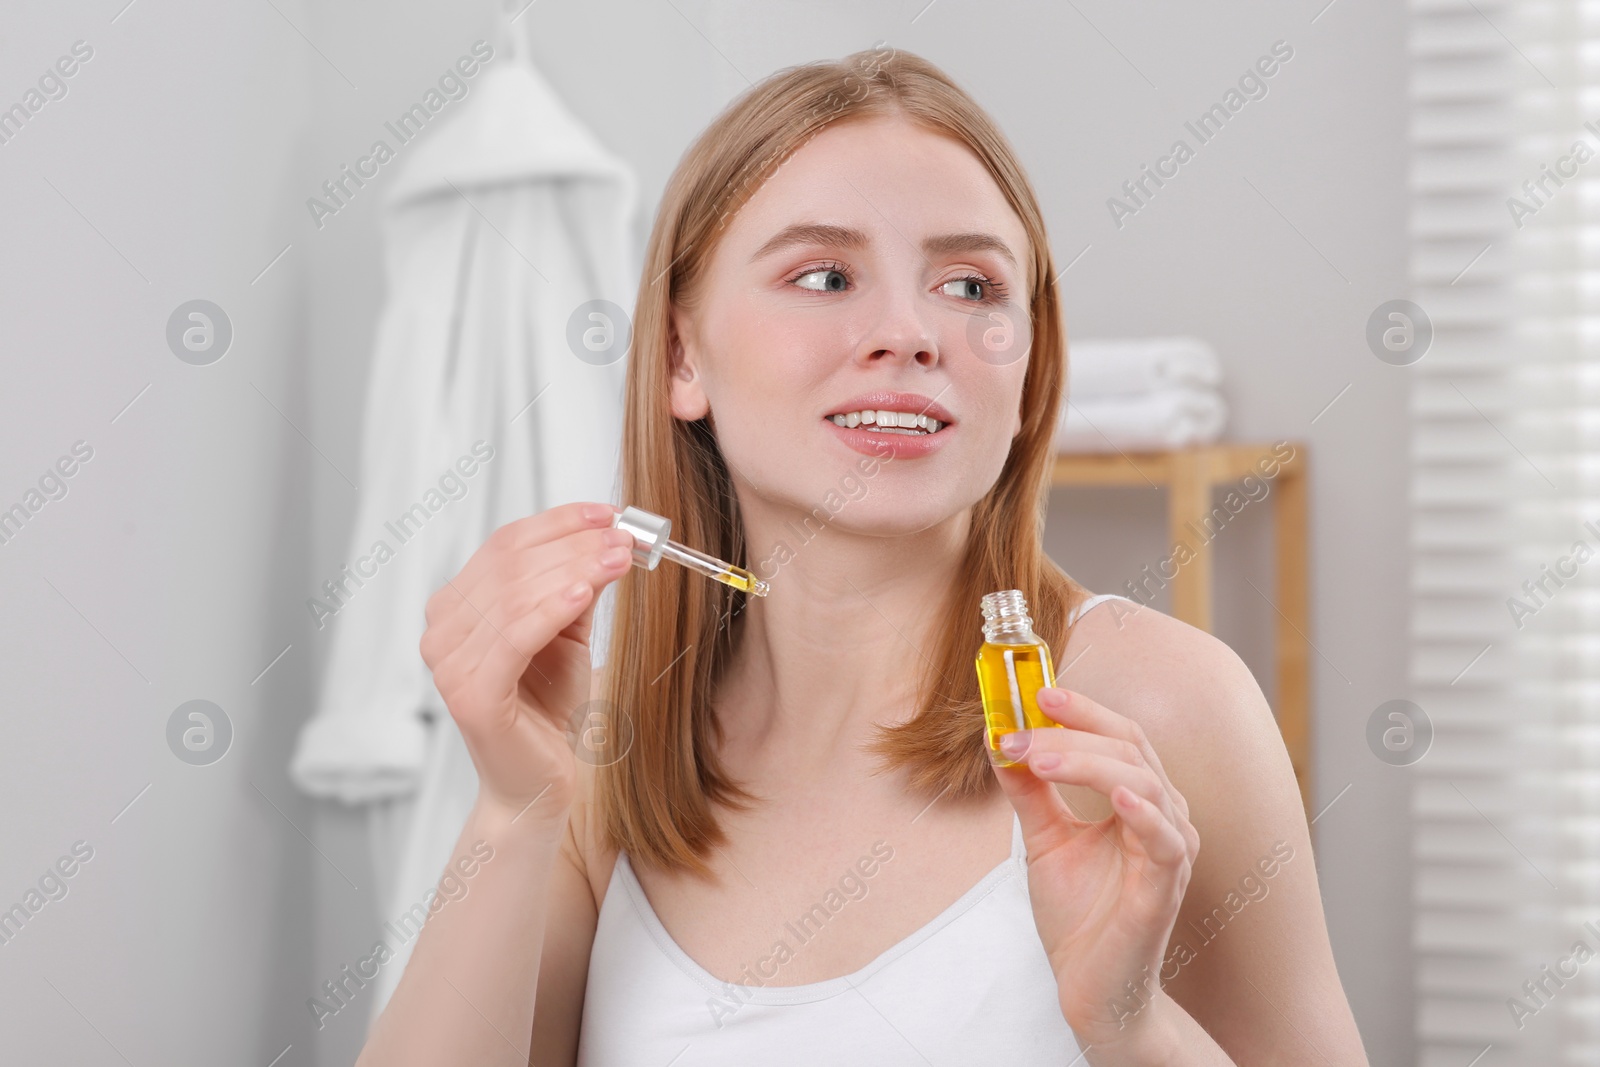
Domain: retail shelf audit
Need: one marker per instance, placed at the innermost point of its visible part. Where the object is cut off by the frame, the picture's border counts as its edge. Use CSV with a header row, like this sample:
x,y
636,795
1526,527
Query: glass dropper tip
x,y
714,568
650,532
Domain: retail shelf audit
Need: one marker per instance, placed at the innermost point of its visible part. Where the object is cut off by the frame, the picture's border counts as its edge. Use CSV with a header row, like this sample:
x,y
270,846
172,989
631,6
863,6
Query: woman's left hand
x,y
1105,894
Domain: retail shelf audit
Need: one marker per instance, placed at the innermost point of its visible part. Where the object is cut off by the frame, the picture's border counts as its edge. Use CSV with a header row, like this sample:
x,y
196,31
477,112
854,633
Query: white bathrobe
x,y
503,220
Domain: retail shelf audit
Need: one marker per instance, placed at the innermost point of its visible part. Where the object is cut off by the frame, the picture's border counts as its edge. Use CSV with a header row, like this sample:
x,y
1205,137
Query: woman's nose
x,y
898,332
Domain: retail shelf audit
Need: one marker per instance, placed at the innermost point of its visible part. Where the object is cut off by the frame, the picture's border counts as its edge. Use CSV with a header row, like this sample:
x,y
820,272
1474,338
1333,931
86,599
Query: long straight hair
x,y
658,776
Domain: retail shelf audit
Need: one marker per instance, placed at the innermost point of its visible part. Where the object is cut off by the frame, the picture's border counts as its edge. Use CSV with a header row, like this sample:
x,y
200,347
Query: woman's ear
x,y
688,398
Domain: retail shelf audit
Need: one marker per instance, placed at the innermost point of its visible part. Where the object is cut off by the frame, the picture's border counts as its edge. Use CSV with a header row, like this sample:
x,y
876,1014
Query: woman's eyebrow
x,y
813,233
946,244
819,233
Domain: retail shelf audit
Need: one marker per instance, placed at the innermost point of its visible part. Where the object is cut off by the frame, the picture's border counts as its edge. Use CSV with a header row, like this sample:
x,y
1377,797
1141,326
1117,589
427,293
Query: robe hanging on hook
x,y
512,35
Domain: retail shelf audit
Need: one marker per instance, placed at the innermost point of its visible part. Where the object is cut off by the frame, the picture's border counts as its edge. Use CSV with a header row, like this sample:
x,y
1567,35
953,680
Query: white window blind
x,y
1505,449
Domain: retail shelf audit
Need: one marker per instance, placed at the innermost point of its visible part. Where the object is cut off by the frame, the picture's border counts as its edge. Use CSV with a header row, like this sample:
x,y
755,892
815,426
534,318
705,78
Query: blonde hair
x,y
655,796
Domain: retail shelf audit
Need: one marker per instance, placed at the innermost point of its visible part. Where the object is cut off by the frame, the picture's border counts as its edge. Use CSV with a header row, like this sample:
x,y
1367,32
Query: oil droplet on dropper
x,y
743,581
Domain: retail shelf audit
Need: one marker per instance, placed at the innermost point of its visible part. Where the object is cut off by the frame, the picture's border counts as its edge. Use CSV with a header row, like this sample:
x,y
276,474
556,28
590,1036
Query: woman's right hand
x,y
508,643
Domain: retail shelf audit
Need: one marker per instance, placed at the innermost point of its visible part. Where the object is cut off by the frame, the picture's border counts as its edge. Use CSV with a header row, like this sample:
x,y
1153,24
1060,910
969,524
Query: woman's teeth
x,y
888,421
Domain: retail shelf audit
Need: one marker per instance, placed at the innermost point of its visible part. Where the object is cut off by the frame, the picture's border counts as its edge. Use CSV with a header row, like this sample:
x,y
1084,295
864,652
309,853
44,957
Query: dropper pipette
x,y
650,532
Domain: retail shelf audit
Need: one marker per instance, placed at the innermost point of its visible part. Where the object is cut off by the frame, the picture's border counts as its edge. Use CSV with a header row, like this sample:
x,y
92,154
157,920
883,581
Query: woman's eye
x,y
831,280
970,288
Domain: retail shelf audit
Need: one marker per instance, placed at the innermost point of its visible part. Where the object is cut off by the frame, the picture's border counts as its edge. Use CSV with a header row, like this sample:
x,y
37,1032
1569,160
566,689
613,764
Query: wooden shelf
x,y
1189,476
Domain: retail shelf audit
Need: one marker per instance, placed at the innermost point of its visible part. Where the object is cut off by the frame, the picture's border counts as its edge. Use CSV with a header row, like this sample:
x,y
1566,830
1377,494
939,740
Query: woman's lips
x,y
898,445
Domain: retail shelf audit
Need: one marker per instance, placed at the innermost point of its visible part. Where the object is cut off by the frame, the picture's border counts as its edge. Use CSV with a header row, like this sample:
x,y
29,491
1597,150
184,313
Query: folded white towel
x,y
1163,419
1125,366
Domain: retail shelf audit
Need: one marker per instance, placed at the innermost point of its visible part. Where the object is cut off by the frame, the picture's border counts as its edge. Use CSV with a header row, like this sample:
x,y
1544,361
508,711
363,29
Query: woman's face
x,y
879,269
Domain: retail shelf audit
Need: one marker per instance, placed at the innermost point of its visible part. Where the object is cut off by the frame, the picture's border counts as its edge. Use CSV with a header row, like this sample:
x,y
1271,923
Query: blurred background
x,y
1367,254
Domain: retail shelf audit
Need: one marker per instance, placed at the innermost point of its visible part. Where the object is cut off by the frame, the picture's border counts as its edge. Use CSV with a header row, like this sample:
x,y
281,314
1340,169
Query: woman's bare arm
x,y
1249,958
507,641
573,915
467,994
531,931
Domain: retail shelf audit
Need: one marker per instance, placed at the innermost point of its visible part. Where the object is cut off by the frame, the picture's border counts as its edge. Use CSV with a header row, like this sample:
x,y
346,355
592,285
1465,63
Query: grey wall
x,y
163,175
181,556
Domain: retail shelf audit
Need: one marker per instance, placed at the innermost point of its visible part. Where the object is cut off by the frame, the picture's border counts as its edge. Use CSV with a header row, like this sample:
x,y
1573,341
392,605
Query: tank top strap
x,y
1083,609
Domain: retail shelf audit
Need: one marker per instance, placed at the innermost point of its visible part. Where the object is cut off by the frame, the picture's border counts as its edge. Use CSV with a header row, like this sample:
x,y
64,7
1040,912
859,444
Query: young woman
x,y
783,840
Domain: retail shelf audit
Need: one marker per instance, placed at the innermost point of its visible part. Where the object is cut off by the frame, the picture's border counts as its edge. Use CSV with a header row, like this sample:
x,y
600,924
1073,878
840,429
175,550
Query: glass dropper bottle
x,y
1013,665
650,532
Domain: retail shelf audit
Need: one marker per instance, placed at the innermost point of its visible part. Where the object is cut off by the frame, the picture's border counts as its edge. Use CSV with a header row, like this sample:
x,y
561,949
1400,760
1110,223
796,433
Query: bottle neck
x,y
1010,630
1005,617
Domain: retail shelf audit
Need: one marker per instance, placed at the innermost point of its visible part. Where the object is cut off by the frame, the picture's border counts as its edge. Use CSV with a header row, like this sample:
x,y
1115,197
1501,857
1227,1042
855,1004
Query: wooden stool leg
x,y
1294,661
1188,504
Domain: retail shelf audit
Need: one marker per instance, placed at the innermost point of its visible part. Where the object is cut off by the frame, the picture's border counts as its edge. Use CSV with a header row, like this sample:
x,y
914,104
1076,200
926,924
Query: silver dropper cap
x,y
650,532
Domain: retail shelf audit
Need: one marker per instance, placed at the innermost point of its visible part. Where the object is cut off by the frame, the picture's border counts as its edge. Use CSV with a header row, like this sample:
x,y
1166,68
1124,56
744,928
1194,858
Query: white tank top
x,y
971,986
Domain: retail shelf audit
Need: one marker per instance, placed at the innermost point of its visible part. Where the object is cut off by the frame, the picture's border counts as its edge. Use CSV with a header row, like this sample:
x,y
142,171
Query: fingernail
x,y
1013,743
596,512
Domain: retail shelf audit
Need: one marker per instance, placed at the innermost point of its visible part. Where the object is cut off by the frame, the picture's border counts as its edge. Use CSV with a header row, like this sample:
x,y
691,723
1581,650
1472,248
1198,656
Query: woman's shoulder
x,y
1121,642
1183,686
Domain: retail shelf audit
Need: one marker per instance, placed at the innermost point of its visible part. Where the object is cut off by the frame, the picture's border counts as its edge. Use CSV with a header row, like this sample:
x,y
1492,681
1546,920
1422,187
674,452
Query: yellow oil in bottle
x,y
1013,665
